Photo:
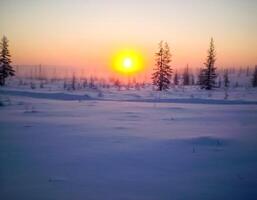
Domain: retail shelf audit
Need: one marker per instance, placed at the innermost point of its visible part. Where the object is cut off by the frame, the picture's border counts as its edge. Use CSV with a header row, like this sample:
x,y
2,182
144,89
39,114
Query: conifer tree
x,y
226,79
6,69
162,72
186,76
209,71
176,81
254,81
73,82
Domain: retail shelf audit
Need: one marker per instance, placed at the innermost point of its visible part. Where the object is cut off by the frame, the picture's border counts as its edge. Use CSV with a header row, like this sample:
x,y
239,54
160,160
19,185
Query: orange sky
x,y
87,33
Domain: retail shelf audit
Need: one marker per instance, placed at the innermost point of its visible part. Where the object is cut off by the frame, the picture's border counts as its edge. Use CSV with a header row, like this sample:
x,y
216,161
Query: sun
x,y
127,62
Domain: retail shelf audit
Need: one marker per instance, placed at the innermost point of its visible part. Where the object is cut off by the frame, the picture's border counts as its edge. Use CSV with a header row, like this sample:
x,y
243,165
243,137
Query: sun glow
x,y
127,62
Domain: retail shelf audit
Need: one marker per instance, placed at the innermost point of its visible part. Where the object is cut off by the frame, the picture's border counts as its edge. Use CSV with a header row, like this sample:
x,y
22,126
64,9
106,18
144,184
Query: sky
x,y
87,33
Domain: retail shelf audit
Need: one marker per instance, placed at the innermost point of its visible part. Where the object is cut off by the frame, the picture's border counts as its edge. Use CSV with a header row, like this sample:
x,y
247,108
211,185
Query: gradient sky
x,y
85,33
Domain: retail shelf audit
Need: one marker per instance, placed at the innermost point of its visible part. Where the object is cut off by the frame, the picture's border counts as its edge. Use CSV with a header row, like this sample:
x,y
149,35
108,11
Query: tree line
x,y
207,78
162,74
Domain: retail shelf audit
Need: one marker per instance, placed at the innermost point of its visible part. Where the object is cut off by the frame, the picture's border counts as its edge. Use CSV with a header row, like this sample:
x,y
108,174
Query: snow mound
x,y
41,95
201,101
135,98
208,141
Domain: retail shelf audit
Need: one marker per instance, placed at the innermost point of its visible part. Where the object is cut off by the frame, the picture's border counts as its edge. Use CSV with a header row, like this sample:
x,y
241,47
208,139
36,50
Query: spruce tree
x,y
254,81
162,72
6,69
175,80
209,71
186,76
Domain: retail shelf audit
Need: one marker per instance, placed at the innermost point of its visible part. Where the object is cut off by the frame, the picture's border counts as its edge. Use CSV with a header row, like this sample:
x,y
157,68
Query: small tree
x,y
209,71
226,79
200,77
186,76
175,80
64,85
117,84
73,82
162,72
254,81
92,83
192,79
6,69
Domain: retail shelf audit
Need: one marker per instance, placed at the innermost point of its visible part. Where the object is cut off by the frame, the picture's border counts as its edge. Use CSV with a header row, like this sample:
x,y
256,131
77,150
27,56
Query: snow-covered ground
x,y
184,144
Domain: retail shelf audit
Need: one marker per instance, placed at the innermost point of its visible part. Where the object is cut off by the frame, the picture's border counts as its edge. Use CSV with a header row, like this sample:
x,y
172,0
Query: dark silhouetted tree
x,y
92,84
162,72
73,82
254,81
6,69
192,79
175,80
117,84
226,79
85,83
186,76
209,71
